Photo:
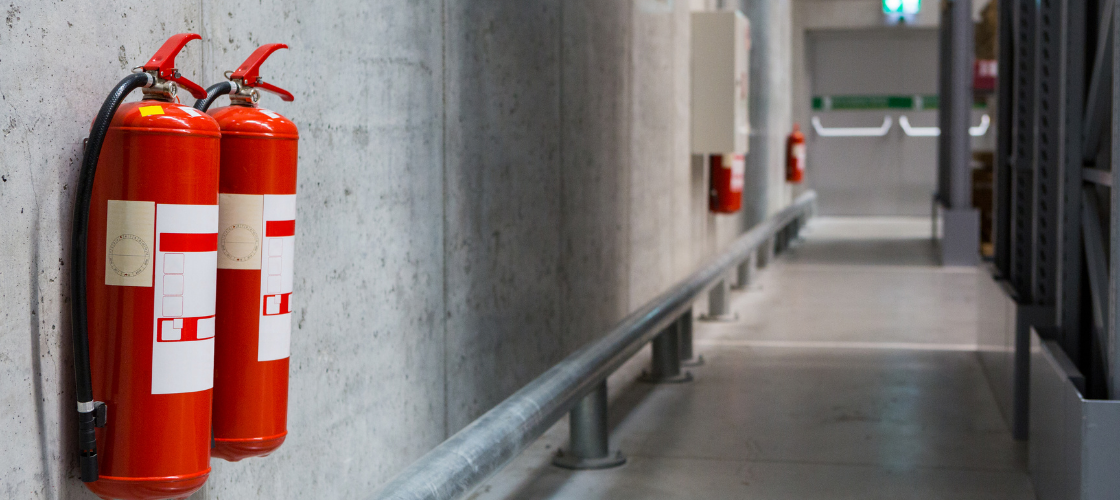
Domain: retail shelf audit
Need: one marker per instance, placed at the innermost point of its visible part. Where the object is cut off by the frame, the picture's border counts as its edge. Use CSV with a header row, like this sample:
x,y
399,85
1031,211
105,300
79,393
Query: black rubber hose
x,y
212,94
87,421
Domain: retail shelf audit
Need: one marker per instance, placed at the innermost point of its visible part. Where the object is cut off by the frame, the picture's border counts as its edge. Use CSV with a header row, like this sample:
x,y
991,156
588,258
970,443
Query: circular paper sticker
x,y
240,242
128,255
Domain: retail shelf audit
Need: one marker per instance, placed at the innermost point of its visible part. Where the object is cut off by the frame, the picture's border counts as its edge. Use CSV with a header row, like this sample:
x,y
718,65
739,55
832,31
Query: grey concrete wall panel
x,y
57,63
685,255
885,61
660,249
367,365
594,179
892,175
1074,442
433,280
503,164
780,41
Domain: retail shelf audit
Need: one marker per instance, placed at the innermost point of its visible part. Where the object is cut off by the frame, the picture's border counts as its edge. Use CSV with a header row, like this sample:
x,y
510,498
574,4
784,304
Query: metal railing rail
x,y
578,383
880,131
912,131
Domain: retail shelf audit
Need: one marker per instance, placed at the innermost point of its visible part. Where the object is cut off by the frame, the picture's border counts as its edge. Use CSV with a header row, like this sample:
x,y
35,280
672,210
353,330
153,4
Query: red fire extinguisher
x,y
143,293
795,155
727,183
256,252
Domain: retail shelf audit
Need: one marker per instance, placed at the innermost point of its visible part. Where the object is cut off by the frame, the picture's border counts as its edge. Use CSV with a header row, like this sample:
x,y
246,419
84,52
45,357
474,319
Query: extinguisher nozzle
x,y
87,446
88,464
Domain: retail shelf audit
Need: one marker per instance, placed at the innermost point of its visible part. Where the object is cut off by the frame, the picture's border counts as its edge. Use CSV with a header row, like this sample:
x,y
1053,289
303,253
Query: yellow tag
x,y
151,110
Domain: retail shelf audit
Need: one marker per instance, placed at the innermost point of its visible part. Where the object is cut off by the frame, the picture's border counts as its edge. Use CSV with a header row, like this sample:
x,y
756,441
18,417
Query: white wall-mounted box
x,y
721,44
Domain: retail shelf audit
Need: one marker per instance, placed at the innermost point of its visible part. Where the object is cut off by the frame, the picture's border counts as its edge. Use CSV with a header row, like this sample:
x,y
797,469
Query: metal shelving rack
x,y
1054,205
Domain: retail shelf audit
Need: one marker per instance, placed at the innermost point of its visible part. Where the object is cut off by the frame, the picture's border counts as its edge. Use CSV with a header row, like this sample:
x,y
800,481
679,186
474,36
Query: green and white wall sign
x,y
904,7
873,102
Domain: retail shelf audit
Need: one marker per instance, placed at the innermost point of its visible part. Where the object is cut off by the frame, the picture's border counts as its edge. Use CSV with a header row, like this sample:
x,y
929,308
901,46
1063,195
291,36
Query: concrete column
x,y
960,243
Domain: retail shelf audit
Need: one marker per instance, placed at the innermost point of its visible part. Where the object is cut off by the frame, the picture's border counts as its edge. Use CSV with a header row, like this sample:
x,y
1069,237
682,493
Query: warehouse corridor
x,y
850,373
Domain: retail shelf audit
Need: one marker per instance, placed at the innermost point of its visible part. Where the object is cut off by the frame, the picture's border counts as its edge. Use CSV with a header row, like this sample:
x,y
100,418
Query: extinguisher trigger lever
x,y
162,66
268,87
248,74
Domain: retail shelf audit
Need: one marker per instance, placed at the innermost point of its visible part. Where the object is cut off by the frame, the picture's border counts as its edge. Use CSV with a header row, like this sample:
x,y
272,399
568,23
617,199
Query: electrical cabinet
x,y
721,44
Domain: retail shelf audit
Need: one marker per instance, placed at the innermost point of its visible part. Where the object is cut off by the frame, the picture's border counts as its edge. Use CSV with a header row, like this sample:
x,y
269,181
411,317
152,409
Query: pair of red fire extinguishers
x,y
181,274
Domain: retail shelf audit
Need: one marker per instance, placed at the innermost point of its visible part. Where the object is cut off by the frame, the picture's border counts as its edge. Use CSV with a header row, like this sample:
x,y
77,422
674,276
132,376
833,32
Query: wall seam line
x,y
443,198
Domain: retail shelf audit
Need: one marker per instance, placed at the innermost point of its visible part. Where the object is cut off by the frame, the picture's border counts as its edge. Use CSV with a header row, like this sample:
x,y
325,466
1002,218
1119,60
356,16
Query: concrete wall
x,y
484,187
821,15
904,168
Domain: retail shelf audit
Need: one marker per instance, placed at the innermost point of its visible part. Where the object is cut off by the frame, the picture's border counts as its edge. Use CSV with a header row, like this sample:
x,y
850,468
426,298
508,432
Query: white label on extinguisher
x,y
240,229
129,242
799,155
738,165
277,260
186,272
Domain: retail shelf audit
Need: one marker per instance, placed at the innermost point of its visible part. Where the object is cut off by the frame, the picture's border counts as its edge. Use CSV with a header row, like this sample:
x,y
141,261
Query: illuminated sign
x,y
903,7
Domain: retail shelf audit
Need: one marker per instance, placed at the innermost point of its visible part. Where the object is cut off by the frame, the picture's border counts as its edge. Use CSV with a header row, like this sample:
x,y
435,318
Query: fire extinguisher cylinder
x,y
83,383
257,208
116,325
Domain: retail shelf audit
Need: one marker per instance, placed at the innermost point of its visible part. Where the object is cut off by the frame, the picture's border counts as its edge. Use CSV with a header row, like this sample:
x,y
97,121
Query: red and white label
x,y
738,166
258,234
277,261
799,155
186,272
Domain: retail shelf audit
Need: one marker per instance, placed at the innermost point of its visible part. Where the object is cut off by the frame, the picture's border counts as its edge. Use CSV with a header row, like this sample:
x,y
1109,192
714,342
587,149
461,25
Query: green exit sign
x,y
904,7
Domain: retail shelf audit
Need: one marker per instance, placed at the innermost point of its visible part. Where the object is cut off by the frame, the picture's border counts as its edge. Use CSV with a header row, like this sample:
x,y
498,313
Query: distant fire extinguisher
x,y
727,183
256,254
143,269
795,155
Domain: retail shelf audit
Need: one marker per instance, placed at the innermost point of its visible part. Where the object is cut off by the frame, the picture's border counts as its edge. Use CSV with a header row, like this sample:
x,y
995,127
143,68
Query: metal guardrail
x,y
578,383
911,131
880,131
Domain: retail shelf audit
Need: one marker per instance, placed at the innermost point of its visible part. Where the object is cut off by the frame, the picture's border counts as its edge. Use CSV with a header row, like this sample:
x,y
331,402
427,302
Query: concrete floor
x,y
850,374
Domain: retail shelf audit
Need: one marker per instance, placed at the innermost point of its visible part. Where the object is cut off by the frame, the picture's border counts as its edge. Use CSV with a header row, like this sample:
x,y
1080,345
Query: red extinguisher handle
x,y
268,87
249,71
164,62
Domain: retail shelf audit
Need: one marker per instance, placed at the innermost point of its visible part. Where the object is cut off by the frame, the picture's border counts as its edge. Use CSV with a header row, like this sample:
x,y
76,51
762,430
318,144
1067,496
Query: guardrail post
x,y
665,365
765,254
719,303
589,435
684,327
743,273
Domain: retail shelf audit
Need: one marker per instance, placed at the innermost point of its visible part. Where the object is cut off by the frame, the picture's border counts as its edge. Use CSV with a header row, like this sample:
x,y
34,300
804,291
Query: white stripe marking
x,y
824,344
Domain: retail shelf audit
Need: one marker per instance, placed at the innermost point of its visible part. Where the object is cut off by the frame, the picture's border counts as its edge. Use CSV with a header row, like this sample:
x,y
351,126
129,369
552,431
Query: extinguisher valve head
x,y
243,95
248,75
161,90
162,67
